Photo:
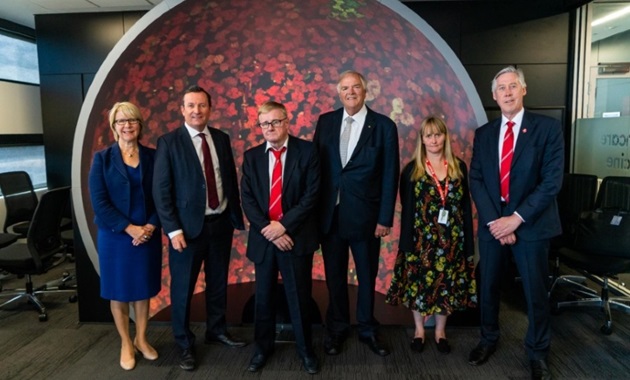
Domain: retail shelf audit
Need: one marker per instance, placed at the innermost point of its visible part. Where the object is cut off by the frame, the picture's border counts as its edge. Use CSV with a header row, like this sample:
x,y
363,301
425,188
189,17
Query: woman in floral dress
x,y
434,270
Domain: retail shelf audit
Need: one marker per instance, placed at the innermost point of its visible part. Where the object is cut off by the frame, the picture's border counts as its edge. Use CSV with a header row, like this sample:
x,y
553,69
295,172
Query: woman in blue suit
x,y
130,258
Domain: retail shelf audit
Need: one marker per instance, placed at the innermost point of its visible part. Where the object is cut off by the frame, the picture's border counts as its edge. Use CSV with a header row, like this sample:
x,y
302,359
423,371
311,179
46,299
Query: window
x,y
29,158
21,135
18,60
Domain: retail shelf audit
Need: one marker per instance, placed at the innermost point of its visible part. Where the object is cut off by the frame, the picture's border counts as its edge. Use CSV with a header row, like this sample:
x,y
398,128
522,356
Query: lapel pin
x,y
525,130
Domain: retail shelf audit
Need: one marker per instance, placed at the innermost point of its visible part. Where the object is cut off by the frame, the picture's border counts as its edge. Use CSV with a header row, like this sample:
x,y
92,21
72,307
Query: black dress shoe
x,y
417,344
187,360
311,364
226,340
374,345
443,346
480,354
258,361
540,371
332,345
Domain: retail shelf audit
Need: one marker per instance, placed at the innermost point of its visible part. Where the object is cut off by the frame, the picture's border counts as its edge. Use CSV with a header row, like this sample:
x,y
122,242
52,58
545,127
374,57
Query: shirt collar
x,y
285,145
193,132
517,119
359,115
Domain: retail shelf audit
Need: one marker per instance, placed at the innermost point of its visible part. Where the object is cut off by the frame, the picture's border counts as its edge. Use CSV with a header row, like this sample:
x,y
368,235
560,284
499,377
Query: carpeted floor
x,y
62,348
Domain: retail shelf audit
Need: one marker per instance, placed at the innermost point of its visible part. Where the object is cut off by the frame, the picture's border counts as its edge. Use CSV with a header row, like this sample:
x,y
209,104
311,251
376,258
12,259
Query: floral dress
x,y
437,276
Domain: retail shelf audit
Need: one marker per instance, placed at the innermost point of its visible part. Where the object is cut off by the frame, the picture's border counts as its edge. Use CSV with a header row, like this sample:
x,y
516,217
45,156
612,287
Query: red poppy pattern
x,y
245,52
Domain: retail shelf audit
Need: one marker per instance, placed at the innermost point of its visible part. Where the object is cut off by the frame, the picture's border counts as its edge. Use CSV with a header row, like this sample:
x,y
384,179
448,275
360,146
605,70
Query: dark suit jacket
x,y
110,188
179,187
300,189
367,184
408,217
535,176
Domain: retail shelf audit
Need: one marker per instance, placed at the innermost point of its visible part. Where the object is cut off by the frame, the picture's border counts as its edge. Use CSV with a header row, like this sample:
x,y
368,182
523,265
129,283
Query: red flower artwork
x,y
245,52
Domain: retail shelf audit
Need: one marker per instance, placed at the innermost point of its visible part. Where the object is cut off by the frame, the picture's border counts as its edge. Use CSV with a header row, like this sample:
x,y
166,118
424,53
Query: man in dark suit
x,y
282,172
358,151
198,213
518,216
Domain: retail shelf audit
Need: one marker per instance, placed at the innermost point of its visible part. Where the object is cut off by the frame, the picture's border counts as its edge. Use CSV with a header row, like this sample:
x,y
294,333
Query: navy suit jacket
x,y
179,186
300,189
535,176
110,188
368,184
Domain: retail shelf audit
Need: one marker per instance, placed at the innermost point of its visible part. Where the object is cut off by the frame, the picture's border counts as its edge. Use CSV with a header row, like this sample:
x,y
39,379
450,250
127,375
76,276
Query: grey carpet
x,y
62,348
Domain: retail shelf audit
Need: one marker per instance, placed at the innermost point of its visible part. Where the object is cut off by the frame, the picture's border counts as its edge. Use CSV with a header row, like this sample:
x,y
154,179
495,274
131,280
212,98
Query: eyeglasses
x,y
273,123
121,122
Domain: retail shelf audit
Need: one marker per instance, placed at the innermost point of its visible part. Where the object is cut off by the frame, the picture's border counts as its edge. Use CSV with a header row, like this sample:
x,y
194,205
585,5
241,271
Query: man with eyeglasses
x,y
358,151
279,189
196,195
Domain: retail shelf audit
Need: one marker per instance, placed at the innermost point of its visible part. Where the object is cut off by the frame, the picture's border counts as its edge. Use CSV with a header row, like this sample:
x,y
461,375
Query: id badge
x,y
443,217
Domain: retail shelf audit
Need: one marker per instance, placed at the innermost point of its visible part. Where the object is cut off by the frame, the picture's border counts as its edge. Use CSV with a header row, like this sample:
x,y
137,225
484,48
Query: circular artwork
x,y
245,52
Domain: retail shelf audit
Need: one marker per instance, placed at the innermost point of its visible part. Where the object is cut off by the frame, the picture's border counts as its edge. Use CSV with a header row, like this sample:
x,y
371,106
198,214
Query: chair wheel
x,y
606,329
72,299
43,317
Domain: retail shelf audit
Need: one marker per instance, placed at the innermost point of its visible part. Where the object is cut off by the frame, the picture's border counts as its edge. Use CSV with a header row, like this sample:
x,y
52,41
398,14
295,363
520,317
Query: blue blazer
x,y
367,185
179,187
110,188
300,189
535,176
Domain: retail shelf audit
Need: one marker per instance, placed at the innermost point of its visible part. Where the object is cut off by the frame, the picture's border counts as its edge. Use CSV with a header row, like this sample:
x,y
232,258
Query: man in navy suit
x,y
199,223
285,238
358,150
519,216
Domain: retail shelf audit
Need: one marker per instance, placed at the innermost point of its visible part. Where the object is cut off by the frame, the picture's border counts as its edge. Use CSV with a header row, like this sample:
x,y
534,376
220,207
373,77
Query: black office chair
x,y
39,253
576,196
7,239
601,251
20,201
614,193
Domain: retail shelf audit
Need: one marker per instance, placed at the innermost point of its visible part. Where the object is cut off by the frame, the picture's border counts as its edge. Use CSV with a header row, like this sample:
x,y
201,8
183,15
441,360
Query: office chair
x,y
601,250
614,193
7,239
20,201
576,196
39,253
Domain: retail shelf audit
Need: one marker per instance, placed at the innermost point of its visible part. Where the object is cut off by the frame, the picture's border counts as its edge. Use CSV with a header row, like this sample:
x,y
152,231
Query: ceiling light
x,y
611,16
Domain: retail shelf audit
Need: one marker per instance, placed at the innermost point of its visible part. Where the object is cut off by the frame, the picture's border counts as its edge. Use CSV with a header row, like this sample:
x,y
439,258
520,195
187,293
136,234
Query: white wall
x,y
20,109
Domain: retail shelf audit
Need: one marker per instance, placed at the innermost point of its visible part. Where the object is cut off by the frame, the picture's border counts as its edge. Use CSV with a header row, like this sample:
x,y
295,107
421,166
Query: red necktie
x,y
275,195
208,167
506,161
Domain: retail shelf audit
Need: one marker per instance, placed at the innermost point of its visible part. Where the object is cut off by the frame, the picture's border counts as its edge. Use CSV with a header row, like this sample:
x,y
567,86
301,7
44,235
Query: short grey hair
x,y
351,72
509,69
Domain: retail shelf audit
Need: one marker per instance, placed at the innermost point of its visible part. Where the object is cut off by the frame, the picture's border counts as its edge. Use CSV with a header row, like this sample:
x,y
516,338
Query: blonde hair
x,y
129,110
270,106
434,124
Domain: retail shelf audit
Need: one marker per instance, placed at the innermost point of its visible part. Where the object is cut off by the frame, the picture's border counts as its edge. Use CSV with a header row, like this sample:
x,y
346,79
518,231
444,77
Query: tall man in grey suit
x,y
515,174
358,150
196,195
280,186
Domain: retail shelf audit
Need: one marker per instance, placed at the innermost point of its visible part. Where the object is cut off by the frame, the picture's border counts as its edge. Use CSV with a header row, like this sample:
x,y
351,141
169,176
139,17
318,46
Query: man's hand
x,y
284,243
381,231
179,243
504,226
508,240
273,230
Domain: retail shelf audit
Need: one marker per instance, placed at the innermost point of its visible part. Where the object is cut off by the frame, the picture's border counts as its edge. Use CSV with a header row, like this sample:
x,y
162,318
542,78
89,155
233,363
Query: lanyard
x,y
441,191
